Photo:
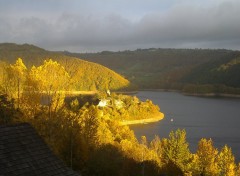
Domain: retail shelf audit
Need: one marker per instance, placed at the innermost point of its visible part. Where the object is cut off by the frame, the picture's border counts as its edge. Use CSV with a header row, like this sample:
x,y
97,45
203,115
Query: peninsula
x,y
156,118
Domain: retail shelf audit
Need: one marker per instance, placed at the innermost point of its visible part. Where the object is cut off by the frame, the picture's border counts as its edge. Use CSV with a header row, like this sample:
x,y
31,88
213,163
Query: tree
x,y
238,169
226,162
176,151
16,77
8,113
90,122
51,80
3,79
156,146
107,160
207,158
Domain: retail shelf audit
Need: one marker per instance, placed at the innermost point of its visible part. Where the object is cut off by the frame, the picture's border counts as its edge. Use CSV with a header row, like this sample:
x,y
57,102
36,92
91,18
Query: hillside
x,y
222,71
172,68
190,70
85,75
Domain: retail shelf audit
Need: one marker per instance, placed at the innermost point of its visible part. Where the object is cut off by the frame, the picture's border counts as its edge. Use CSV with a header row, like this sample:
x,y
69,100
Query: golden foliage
x,y
226,162
207,157
83,136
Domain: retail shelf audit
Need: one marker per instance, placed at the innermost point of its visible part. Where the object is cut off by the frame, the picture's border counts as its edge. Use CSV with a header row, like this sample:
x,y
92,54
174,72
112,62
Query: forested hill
x,y
202,70
85,75
190,70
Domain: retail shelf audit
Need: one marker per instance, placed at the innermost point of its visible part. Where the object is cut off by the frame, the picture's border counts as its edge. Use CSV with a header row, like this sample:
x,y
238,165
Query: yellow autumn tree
x,y
16,75
176,152
207,158
226,162
3,78
156,147
50,80
238,169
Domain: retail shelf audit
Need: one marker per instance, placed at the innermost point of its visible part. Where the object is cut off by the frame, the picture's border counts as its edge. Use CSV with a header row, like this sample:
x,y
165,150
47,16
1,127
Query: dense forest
x,y
93,144
188,70
84,75
194,71
90,138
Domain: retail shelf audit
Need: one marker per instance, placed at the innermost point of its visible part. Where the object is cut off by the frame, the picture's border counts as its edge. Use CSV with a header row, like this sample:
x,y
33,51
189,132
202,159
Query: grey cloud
x,y
188,23
191,26
186,26
90,31
5,27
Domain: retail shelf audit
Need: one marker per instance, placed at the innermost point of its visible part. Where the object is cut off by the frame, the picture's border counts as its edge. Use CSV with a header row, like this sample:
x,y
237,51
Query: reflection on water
x,y
216,118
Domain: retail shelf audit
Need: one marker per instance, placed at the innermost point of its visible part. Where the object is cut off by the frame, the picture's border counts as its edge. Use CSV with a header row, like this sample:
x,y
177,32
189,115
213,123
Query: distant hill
x,y
224,70
190,70
85,75
172,68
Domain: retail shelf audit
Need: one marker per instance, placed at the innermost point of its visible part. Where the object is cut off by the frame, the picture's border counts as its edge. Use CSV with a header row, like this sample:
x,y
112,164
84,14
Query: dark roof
x,y
24,153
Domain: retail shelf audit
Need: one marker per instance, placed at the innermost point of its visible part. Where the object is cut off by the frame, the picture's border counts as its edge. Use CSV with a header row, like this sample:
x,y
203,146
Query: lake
x,y
216,118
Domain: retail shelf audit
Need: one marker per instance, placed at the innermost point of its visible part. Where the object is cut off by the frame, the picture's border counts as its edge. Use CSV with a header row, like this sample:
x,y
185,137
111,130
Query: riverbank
x,y
157,118
223,95
161,90
126,92
220,95
74,93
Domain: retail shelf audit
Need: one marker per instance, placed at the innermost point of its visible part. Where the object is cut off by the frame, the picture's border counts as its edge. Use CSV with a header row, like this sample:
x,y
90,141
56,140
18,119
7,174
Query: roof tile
x,y
24,153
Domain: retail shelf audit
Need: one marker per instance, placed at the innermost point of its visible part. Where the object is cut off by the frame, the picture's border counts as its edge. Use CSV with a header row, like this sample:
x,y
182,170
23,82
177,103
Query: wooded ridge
x,y
189,70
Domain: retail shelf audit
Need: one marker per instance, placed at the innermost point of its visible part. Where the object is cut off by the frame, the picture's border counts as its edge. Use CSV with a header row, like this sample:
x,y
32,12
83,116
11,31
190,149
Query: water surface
x,y
216,118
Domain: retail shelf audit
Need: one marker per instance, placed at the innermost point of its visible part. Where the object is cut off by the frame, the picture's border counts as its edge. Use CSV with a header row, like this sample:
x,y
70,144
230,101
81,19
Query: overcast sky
x,y
97,25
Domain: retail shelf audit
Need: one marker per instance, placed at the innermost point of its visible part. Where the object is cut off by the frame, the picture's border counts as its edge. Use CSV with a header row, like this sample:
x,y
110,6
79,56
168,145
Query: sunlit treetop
x,y
50,76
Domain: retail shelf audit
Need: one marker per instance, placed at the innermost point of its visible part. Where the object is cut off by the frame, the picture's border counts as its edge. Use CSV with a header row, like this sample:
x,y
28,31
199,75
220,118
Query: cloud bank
x,y
179,25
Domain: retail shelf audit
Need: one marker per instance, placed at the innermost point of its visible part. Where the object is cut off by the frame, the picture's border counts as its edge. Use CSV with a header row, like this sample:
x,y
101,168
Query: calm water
x,y
216,118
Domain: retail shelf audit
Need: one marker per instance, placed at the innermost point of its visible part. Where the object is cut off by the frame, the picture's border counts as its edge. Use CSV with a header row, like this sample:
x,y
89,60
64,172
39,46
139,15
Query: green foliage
x,y
176,151
171,68
209,89
90,139
222,71
227,66
147,68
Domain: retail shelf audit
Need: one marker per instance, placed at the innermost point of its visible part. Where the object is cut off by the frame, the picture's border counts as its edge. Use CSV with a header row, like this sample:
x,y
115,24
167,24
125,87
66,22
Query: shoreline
x,y
81,92
161,90
217,95
126,92
158,117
